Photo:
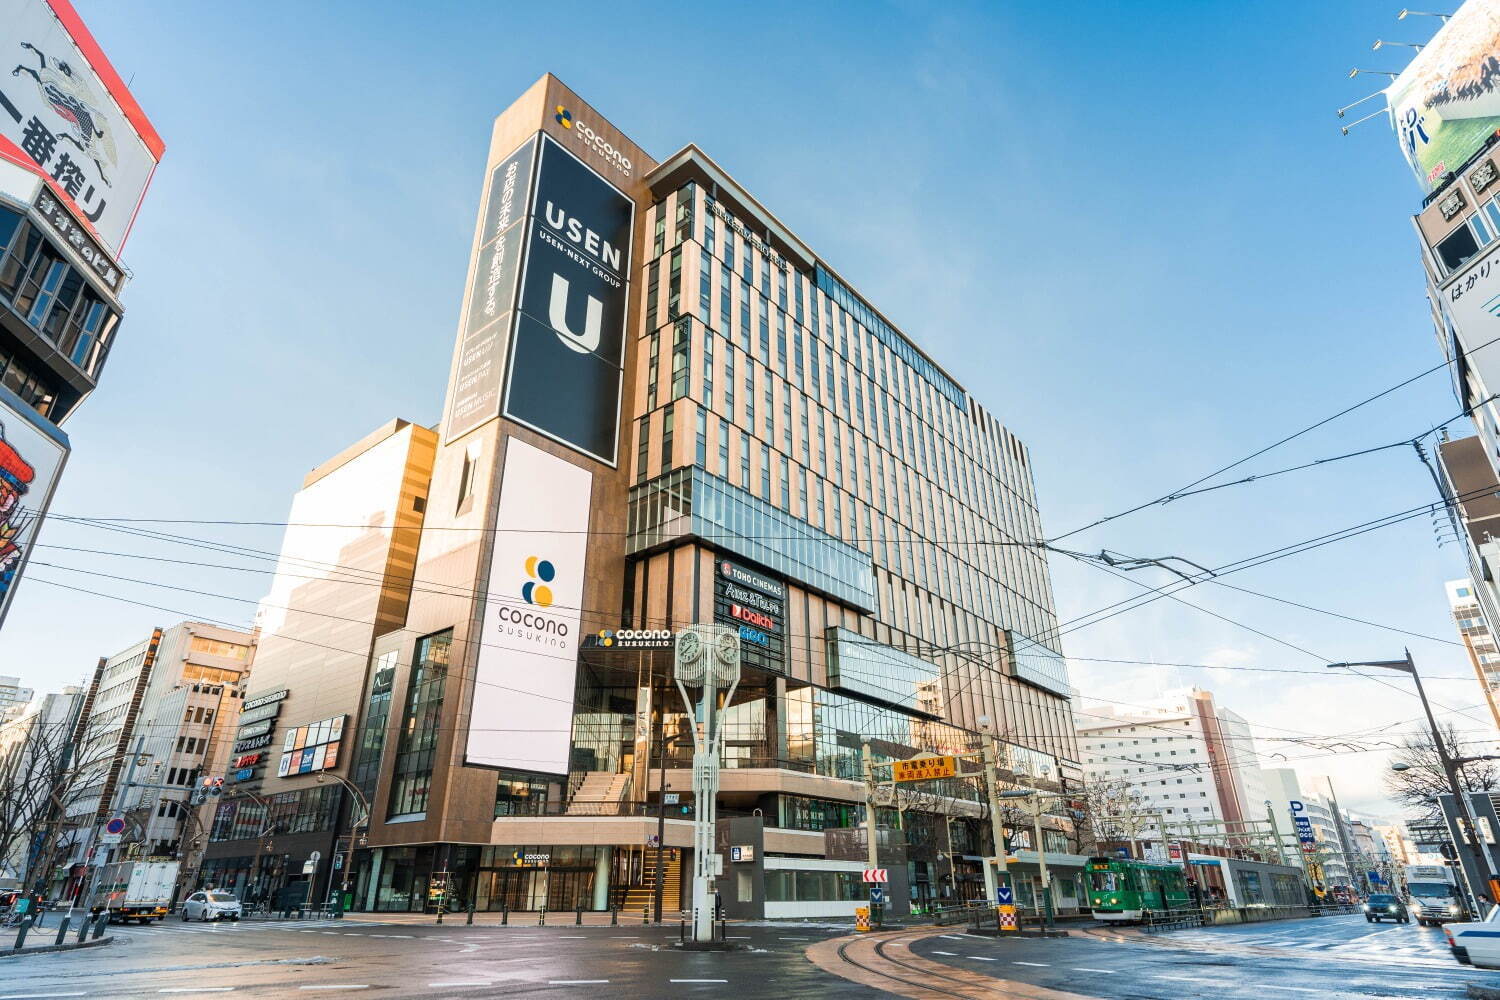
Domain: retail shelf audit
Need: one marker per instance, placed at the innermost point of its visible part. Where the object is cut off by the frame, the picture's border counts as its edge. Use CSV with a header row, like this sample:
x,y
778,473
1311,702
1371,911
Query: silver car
x,y
210,904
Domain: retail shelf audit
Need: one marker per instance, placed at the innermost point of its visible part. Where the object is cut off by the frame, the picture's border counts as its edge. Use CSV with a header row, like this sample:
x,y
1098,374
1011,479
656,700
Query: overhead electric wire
x,y
1274,445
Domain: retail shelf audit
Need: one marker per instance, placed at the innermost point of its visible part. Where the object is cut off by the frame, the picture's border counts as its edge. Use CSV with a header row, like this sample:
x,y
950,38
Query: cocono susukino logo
x,y
524,623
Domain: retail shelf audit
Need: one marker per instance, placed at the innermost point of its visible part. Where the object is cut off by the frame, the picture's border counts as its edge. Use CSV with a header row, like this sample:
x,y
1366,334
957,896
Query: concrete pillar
x,y
372,887
602,869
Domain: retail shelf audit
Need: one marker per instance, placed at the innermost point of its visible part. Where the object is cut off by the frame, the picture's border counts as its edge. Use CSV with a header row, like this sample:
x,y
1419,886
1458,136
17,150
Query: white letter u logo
x,y
586,343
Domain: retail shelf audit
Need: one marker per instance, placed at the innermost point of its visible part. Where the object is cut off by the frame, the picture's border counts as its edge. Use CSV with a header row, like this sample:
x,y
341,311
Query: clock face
x,y
690,646
729,649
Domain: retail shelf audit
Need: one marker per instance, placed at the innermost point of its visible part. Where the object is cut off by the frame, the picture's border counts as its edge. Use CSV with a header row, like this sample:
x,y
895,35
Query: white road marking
x,y
1292,989
1184,979
37,996
1039,965
572,937
198,989
806,939
471,982
950,954
592,982
338,986
981,958
1080,968
697,980
952,937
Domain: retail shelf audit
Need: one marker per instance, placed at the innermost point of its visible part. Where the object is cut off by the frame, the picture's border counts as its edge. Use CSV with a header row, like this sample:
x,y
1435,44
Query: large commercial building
x,y
665,408
1478,639
76,156
156,719
1189,763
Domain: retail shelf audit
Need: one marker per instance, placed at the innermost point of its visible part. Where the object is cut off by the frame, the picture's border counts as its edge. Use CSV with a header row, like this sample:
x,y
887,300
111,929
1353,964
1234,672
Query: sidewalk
x,y
42,939
517,918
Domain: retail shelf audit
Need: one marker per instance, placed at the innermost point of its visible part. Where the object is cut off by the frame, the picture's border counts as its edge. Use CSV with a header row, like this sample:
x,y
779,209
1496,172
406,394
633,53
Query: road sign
x,y
877,895
1005,895
670,798
924,768
1448,850
315,857
113,830
877,875
309,866
861,918
742,853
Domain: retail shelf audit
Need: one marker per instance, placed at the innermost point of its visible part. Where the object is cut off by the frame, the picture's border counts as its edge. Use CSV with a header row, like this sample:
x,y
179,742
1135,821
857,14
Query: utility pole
x,y
1344,845
995,872
1041,859
872,853
140,746
1275,832
1484,863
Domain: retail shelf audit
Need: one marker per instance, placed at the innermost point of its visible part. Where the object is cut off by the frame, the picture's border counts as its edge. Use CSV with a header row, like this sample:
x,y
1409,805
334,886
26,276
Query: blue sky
x,y
1134,232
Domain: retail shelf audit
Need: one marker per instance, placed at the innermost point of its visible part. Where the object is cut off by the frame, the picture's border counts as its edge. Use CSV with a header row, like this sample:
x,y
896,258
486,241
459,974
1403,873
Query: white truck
x,y
134,890
1436,897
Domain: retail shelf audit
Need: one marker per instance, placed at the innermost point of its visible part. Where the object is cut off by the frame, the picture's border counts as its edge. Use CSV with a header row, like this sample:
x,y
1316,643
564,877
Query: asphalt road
x,y
1329,958
348,957
1332,958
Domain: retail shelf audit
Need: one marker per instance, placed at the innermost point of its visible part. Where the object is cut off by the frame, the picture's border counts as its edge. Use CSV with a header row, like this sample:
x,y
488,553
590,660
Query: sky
x,y
1135,233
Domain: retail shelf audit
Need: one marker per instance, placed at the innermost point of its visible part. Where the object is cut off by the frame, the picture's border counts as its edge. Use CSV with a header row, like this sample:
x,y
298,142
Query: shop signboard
x,y
755,605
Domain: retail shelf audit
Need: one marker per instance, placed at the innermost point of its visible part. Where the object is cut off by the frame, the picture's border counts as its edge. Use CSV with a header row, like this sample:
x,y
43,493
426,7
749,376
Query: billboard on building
x,y
1446,103
475,394
568,349
522,709
32,454
66,115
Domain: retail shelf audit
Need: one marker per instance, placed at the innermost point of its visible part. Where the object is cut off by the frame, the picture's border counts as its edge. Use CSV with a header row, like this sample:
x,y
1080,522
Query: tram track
x,y
873,961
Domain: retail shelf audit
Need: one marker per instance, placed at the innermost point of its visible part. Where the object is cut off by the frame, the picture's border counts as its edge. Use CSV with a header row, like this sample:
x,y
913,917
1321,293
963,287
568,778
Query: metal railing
x,y
1155,921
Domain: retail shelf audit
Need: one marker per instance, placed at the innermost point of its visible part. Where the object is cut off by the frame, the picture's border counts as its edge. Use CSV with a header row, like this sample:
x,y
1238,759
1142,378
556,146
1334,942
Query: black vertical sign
x,y
475,395
569,344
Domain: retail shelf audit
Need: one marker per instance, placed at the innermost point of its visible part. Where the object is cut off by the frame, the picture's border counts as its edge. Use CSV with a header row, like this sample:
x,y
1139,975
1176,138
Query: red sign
x,y
1176,851
877,875
248,760
755,618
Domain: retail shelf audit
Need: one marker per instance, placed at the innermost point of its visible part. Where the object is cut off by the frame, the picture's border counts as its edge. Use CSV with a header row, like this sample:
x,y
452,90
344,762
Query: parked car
x,y
1381,906
211,904
1476,942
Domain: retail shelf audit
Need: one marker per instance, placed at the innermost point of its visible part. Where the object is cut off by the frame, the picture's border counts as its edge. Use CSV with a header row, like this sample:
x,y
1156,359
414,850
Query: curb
x,y
1483,992
94,943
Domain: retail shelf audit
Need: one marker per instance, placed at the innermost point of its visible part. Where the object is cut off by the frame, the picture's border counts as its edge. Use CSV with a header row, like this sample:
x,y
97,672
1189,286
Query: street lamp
x,y
363,820
1381,42
1422,13
1372,72
1480,854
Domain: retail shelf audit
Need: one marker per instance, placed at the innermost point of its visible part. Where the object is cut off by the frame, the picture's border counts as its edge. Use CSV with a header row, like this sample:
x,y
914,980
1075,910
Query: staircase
x,y
643,896
598,794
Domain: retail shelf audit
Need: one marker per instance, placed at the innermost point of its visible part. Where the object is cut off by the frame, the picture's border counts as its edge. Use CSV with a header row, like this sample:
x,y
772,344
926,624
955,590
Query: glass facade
x,y
370,742
694,502
51,296
419,726
829,424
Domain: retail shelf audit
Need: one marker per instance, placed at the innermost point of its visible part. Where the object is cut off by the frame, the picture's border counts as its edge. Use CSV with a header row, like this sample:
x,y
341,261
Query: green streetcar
x,y
1122,889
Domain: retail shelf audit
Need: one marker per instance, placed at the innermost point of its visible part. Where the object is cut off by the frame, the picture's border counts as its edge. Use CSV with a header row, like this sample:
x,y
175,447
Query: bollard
x,y
471,911
578,916
440,913
62,930
682,931
100,924
504,915
614,917
26,922
646,914
83,926
541,917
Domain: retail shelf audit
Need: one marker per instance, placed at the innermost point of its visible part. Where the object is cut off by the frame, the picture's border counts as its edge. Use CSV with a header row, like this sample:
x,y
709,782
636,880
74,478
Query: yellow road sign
x,y
924,768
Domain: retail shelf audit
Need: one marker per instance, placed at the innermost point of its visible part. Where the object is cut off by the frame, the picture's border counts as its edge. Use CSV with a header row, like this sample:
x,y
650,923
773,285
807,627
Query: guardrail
x,y
1155,921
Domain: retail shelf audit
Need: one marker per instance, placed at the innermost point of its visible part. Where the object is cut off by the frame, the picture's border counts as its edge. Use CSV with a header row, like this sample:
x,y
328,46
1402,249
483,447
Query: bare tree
x,y
1419,786
41,777
1115,811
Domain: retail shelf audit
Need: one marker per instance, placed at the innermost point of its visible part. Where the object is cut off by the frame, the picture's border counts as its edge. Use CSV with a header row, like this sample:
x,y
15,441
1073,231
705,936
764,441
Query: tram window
x,y
1104,882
